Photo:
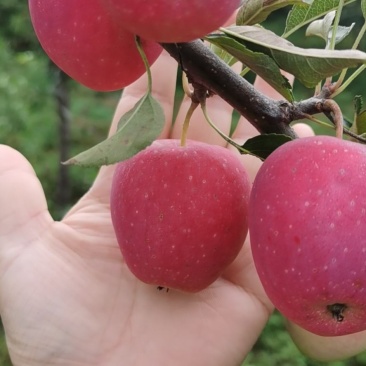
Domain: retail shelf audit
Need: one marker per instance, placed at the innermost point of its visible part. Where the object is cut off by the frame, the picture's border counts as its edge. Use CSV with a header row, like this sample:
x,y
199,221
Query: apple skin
x,y
173,21
83,40
307,225
180,213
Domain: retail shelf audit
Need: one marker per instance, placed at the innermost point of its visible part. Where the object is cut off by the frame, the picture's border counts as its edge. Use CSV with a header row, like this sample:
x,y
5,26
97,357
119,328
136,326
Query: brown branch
x,y
205,68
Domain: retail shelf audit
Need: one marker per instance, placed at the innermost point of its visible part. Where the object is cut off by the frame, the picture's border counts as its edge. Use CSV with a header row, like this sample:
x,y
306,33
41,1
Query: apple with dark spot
x,y
307,224
86,41
180,213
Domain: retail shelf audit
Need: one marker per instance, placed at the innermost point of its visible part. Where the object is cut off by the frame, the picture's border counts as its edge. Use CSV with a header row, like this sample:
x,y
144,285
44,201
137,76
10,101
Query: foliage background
x,y
29,122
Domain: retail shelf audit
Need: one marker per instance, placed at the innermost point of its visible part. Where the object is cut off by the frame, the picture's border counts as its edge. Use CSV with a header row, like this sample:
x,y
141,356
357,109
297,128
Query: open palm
x,y
66,296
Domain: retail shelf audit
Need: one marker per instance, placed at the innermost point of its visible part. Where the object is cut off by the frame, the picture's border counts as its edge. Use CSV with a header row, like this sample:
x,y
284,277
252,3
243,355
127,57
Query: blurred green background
x,y
48,118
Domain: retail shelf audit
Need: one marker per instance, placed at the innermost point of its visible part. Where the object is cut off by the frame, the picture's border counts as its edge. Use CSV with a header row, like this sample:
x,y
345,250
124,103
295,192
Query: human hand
x,y
66,296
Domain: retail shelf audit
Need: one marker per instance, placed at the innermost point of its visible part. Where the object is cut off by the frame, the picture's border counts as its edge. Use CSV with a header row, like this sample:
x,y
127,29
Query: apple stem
x,y
334,113
185,83
186,122
224,136
145,61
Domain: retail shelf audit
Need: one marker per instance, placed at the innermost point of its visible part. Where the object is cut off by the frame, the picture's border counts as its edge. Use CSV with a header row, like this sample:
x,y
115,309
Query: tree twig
x,y
204,68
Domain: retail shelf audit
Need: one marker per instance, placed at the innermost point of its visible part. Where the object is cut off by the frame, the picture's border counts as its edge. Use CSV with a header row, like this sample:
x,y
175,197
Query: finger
x,y
303,130
164,72
246,130
252,163
23,207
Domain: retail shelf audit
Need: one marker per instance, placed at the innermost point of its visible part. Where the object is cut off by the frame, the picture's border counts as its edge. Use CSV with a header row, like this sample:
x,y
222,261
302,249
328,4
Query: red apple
x,y
180,213
173,21
307,227
82,38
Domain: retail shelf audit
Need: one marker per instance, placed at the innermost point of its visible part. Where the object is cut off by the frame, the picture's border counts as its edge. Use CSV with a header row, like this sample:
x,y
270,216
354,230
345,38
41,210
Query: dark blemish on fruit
x,y
297,239
337,311
160,288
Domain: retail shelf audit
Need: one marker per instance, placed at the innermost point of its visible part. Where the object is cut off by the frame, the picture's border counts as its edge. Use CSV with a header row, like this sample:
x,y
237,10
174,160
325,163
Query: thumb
x,y
23,207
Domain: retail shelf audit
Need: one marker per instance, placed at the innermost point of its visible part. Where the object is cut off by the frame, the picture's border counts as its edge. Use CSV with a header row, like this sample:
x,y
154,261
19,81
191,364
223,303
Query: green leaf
x,y
224,56
137,129
256,11
323,28
358,103
347,123
363,7
359,126
302,14
260,63
309,66
361,123
262,146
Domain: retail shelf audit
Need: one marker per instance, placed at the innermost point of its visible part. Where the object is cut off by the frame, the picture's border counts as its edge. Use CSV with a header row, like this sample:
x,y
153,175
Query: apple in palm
x,y
307,227
173,21
180,213
84,40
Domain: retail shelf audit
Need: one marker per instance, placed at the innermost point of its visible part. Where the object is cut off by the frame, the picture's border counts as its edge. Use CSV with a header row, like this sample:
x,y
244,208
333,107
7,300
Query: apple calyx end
x,y
337,311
